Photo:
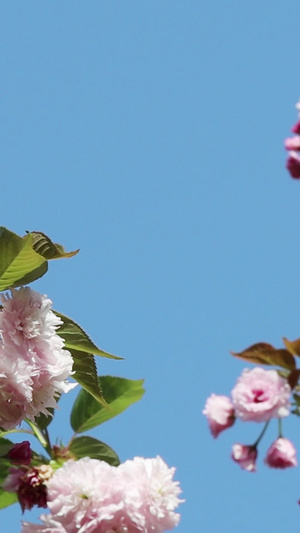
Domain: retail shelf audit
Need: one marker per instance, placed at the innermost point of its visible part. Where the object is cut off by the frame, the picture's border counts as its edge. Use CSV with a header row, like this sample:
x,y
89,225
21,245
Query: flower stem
x,y
261,435
279,428
37,432
2,433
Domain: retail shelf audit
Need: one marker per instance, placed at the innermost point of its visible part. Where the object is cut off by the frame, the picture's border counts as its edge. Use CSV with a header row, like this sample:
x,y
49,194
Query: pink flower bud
x,y
296,127
245,456
20,454
219,412
293,165
281,454
292,143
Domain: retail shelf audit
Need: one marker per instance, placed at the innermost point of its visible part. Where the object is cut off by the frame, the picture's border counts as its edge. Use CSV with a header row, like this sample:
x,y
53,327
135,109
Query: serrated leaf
x,y
7,498
119,394
75,337
86,375
265,354
48,249
19,263
86,446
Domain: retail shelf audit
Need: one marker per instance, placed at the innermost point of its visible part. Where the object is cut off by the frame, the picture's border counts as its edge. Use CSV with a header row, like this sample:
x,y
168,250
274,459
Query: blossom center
x,y
258,395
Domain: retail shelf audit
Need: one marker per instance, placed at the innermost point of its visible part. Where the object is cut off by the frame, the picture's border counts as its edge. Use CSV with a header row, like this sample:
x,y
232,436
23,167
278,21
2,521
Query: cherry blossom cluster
x,y
82,494
92,496
89,496
258,396
34,366
292,144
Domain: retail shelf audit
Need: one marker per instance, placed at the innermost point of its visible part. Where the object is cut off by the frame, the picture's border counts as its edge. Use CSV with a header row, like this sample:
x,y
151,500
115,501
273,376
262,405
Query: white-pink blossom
x,y
154,497
49,526
219,412
281,454
245,456
12,482
91,496
34,366
292,143
260,395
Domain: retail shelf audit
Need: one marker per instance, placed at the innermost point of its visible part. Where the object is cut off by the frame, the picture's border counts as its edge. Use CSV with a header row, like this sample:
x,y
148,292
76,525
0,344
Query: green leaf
x,y
7,498
24,259
119,394
90,447
4,468
43,421
86,375
19,263
5,446
296,405
265,354
76,338
47,249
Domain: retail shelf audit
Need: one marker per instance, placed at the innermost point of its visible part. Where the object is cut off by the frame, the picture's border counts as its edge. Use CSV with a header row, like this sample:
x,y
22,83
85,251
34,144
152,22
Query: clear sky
x,y
150,136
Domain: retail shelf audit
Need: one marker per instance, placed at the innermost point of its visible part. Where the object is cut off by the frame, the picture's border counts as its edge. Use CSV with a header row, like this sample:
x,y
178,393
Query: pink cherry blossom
x,y
281,454
34,366
12,482
292,143
49,526
151,493
260,395
293,165
296,127
245,456
219,412
29,484
91,496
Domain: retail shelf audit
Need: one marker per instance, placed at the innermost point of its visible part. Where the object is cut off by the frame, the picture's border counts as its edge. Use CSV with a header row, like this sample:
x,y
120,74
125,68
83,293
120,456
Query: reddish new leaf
x,y
292,346
265,354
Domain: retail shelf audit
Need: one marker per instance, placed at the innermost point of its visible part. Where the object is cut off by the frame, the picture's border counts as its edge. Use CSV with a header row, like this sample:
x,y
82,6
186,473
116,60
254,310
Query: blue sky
x,y
150,136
